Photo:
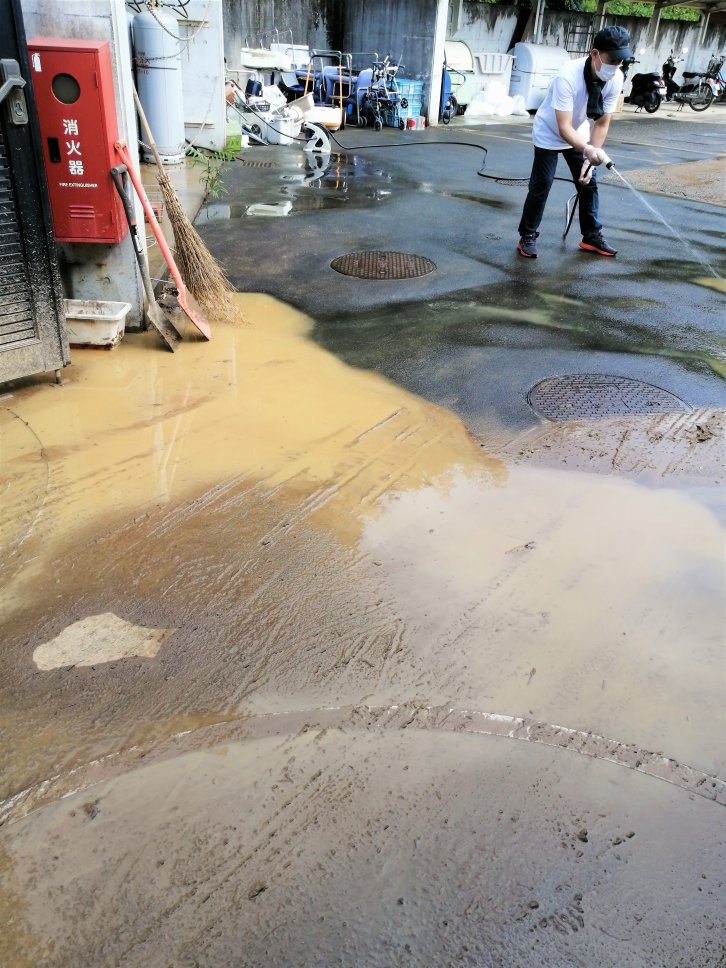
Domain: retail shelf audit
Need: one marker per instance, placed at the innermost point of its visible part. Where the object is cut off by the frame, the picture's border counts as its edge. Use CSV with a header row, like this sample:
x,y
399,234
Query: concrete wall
x,y
399,28
485,27
491,27
248,23
95,271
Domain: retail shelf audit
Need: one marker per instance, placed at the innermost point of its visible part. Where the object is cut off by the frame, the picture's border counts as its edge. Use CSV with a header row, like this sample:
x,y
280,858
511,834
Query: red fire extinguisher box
x,y
73,86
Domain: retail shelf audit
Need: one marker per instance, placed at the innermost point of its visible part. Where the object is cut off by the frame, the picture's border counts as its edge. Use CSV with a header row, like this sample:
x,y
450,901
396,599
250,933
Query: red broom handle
x,y
123,150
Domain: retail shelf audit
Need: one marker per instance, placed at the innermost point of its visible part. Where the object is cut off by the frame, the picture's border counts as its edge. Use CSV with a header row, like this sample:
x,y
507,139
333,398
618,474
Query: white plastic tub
x,y
95,322
280,131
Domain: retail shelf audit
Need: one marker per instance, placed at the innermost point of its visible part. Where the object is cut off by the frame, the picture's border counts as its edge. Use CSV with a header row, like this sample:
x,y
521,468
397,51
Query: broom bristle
x,y
201,273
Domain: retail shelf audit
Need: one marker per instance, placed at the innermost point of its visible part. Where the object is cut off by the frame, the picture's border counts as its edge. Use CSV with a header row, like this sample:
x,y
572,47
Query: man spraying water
x,y
585,90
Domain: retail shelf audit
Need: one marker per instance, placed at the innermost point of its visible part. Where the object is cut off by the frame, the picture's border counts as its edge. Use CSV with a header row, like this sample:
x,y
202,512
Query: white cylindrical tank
x,y
159,82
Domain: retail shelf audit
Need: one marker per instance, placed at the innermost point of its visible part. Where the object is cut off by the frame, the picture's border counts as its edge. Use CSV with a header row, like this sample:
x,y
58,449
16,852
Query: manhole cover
x,y
590,395
382,265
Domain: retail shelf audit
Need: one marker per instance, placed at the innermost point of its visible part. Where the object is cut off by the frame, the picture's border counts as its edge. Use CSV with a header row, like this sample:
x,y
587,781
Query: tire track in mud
x,y
279,836
444,718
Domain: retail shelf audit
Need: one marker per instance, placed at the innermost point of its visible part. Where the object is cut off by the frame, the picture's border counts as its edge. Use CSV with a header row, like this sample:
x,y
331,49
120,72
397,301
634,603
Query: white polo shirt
x,y
567,92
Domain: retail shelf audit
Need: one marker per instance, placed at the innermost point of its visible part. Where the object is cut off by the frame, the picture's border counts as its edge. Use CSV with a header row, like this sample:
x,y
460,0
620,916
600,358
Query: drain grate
x,y
588,396
256,164
382,265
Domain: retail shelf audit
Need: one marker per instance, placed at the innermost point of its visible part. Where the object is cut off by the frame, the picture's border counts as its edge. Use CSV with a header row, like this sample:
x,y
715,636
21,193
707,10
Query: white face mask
x,y
607,71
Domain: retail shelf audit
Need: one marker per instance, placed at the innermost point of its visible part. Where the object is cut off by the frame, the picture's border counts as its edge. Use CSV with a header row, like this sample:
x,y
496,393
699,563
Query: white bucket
x,y
280,131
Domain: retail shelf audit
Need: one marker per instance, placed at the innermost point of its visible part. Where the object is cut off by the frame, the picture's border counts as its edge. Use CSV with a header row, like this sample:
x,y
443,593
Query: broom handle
x,y
123,151
195,315
147,131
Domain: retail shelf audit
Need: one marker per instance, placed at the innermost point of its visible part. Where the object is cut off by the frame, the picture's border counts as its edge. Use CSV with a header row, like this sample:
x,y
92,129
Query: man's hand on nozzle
x,y
594,155
585,173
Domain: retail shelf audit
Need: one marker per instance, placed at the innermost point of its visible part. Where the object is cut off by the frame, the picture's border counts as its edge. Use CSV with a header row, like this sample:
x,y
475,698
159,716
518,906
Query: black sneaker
x,y
596,243
527,246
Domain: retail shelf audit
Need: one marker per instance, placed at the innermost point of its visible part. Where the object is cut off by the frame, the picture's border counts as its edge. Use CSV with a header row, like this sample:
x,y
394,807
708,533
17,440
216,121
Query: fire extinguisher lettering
x,y
74,148
70,126
75,167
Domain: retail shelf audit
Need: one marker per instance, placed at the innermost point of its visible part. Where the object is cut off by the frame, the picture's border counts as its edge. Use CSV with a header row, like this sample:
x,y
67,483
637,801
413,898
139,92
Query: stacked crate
x,y
413,92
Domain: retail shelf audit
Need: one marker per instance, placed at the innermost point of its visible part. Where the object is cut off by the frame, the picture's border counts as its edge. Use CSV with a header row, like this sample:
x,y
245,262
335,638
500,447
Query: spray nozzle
x,y
603,159
600,158
596,156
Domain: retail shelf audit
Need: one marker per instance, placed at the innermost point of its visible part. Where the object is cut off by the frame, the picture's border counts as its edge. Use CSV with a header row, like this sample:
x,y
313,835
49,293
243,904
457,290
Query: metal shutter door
x,y
16,313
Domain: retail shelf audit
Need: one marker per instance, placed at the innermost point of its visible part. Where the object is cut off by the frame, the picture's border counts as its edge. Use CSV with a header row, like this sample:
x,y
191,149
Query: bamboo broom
x,y
201,273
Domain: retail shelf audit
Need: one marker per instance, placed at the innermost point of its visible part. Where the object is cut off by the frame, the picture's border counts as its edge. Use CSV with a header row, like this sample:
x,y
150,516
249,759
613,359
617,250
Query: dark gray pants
x,y
544,167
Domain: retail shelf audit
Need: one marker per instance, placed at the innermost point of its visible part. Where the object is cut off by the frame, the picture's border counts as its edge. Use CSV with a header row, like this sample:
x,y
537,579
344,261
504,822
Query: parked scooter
x,y
647,90
668,70
703,88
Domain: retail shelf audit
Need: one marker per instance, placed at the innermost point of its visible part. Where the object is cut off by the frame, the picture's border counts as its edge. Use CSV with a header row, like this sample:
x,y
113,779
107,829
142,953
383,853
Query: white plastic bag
x,y
519,107
491,101
480,106
505,107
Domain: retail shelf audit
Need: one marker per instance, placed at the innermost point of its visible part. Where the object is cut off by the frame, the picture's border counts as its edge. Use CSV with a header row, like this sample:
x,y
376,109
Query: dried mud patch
x,y
668,448
697,181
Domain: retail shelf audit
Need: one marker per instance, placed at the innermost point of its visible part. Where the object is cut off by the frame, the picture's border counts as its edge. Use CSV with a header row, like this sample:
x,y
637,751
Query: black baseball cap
x,y
613,41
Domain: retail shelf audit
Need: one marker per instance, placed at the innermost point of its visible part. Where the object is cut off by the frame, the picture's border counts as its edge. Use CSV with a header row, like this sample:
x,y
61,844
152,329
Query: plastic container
x,y
493,66
280,131
95,322
233,131
412,90
420,122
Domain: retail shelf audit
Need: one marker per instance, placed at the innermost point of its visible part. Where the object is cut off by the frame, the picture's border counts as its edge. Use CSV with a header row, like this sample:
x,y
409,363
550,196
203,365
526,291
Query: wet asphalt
x,y
294,670
481,330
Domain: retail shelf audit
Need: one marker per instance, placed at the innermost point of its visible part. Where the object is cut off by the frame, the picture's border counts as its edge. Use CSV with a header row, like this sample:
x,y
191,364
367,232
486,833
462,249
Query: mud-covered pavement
x,y
305,664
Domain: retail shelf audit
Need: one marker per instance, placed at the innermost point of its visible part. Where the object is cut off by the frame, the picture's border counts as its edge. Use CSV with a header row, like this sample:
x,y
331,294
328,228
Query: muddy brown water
x,y
250,529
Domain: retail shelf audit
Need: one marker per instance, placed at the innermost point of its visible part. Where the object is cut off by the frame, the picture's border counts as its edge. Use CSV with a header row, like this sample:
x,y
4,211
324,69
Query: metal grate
x,y
579,36
256,164
16,311
587,396
383,265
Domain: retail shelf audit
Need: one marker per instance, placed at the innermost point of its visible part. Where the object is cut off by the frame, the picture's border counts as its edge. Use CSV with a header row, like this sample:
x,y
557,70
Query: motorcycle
x,y
647,90
710,84
668,70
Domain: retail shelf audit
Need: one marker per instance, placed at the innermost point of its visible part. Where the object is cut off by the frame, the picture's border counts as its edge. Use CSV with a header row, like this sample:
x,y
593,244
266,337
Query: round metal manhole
x,y
587,396
382,265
